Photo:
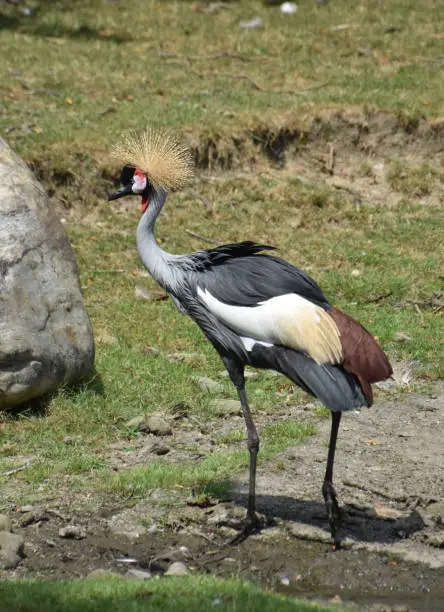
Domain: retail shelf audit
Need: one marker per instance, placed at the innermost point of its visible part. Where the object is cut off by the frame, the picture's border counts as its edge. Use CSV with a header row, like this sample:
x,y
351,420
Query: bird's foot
x,y
252,525
333,511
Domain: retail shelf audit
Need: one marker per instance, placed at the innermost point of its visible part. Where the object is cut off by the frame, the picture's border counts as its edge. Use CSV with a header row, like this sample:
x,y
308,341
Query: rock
x,y
207,384
226,407
76,532
37,513
156,425
5,523
11,541
9,559
177,569
135,422
45,333
308,532
11,549
136,574
159,448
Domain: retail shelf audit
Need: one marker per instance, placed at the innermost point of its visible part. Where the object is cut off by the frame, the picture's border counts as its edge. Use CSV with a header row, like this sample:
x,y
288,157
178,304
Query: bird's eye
x,y
126,175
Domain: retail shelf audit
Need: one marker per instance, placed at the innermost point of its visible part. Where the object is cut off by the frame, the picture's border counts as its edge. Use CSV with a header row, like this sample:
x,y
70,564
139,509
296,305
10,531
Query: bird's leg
x,y
236,373
328,491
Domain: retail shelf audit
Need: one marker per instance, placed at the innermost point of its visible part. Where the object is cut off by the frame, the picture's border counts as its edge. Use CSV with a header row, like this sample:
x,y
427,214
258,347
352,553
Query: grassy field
x,y
74,75
110,595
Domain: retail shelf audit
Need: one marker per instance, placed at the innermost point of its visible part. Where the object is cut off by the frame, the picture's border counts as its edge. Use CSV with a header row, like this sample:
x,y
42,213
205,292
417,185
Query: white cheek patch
x,y
139,183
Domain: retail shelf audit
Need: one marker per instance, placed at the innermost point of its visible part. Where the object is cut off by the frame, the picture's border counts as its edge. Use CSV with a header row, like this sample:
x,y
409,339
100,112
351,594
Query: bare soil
x,y
389,479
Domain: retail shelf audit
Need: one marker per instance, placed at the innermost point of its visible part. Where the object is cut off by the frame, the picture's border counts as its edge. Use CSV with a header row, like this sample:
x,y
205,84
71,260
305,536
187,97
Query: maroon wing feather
x,y
363,357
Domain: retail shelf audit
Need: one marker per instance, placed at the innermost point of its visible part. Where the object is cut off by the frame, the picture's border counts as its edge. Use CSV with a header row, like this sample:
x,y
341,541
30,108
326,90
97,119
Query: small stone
x,y
156,425
401,337
9,559
285,580
226,407
308,532
136,574
12,542
336,600
207,384
135,422
177,569
5,523
159,448
355,273
35,515
75,532
11,549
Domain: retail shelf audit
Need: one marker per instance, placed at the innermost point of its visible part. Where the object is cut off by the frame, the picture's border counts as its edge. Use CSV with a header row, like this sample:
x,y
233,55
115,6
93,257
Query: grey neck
x,y
156,260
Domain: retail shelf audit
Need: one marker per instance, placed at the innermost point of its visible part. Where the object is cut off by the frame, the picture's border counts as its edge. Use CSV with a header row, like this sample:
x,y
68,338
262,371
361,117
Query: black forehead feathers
x,y
126,175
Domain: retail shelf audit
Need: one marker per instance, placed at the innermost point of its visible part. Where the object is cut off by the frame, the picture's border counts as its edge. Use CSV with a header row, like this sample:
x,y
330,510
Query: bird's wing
x,y
263,298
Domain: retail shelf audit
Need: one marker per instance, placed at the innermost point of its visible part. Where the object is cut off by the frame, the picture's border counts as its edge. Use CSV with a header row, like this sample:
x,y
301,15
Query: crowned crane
x,y
256,309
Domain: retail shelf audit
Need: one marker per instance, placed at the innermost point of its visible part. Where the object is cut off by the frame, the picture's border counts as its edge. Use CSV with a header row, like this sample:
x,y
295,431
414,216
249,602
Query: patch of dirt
x,y
351,152
389,479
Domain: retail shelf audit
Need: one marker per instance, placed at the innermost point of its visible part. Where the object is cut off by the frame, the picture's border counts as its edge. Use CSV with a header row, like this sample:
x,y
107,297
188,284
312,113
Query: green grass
x,y
191,594
75,75
216,467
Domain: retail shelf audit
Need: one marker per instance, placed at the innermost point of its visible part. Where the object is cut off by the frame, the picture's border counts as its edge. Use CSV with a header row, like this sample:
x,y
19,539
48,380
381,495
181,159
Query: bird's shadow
x,y
360,523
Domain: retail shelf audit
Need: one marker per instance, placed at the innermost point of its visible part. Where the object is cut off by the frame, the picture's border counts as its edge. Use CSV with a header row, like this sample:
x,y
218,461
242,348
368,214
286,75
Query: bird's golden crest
x,y
167,163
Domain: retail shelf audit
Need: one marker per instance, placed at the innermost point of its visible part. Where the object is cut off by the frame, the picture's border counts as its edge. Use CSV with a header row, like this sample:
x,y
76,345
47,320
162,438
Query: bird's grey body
x,y
256,309
241,274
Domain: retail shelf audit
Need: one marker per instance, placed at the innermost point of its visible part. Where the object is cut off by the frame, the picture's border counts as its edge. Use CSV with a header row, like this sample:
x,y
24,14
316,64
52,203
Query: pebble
x,y
308,532
135,422
136,574
5,523
11,549
225,407
76,532
159,448
156,425
207,384
177,569
37,513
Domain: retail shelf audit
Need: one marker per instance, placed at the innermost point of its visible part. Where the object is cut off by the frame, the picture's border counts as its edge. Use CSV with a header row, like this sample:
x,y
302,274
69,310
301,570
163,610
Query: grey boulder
x,y
45,333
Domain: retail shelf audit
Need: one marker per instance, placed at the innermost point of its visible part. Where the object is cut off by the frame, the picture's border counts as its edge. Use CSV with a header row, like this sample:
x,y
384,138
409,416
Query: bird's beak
x,y
124,191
